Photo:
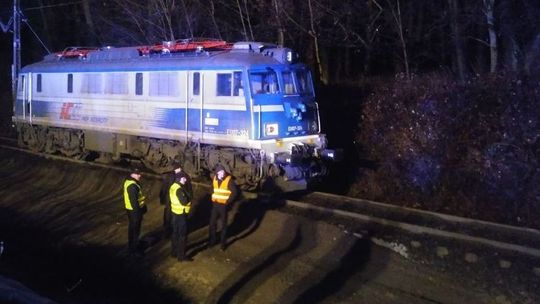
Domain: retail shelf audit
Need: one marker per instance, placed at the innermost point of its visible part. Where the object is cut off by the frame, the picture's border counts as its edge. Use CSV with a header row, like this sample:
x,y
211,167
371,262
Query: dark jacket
x,y
183,195
168,179
188,187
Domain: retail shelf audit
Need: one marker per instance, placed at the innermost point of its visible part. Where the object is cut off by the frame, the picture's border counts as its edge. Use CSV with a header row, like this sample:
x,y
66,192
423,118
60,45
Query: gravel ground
x,y
65,232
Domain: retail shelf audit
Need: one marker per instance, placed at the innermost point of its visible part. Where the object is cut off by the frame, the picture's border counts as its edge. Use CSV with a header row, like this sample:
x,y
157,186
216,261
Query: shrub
x,y
471,150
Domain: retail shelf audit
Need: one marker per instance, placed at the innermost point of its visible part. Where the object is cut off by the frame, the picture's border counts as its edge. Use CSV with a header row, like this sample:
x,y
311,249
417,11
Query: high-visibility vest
x,y
176,207
221,193
140,198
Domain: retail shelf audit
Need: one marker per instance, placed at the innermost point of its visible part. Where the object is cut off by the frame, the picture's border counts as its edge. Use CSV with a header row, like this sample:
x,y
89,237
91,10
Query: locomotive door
x,y
195,105
194,112
27,97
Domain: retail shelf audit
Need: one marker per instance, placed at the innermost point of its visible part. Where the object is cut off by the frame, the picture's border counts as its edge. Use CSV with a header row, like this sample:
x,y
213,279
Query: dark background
x,y
436,103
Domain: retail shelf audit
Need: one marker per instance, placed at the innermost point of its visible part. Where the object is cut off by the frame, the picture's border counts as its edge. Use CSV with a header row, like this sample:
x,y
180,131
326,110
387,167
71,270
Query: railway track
x,y
384,225
503,238
506,238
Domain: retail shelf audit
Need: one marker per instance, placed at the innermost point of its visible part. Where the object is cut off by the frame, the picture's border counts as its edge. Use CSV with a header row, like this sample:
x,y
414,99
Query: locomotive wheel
x,y
34,137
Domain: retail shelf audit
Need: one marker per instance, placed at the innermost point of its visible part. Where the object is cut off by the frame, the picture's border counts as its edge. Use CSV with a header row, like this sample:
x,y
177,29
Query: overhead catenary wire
x,y
25,20
52,5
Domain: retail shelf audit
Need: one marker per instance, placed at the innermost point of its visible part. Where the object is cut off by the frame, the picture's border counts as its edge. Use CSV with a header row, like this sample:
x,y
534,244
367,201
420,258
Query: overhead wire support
x,y
16,22
16,66
25,20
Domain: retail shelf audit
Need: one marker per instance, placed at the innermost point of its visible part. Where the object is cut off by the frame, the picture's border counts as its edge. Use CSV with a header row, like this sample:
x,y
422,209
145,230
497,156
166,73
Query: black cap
x,y
177,163
179,175
219,167
136,171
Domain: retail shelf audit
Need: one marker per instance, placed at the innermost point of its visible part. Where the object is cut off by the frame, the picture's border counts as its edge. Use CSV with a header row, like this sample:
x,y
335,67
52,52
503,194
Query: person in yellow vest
x,y
180,200
167,180
135,207
224,193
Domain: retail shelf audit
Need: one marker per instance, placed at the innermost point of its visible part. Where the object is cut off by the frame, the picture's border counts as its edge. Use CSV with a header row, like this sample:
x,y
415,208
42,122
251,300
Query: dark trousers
x,y
219,212
179,235
167,224
134,229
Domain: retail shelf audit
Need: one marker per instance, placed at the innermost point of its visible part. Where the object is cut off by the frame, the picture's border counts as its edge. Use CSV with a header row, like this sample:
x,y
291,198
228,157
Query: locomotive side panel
x,y
109,102
243,109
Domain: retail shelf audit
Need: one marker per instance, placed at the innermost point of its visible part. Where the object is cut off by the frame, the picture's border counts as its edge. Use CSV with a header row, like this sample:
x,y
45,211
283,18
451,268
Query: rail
x,y
520,240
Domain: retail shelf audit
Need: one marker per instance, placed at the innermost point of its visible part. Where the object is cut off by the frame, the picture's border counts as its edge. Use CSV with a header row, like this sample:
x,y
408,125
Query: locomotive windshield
x,y
288,83
303,80
264,82
295,82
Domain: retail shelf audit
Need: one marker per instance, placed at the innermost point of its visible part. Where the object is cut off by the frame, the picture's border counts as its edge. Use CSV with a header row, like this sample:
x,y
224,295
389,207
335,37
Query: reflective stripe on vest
x,y
176,207
140,198
221,193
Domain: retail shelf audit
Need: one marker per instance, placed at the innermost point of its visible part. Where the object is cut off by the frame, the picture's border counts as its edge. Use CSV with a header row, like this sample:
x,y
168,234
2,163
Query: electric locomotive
x,y
249,106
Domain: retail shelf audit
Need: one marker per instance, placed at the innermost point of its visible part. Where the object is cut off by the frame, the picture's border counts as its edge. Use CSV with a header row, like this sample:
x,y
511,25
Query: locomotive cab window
x,y
224,84
288,83
238,87
304,82
70,83
38,83
229,84
196,84
138,84
264,82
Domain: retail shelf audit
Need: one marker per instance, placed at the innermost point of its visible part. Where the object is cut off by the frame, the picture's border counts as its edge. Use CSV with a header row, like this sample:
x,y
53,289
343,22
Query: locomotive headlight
x,y
271,129
289,56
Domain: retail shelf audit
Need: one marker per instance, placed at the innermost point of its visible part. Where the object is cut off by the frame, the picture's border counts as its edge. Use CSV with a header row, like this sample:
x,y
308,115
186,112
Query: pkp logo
x,y
69,111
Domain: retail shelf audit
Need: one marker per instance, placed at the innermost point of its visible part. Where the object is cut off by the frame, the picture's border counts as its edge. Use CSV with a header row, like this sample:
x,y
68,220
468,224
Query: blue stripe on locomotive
x,y
175,119
166,118
236,122
45,109
39,108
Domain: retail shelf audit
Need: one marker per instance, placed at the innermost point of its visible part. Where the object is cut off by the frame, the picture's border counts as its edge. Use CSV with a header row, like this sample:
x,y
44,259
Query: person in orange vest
x,y
135,208
180,200
223,194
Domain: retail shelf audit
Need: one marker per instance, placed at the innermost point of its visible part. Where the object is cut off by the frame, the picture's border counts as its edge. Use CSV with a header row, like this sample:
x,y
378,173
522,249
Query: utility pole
x,y
16,66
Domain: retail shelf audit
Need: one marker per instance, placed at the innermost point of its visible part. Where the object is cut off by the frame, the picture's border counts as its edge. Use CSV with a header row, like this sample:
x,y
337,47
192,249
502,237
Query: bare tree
x,y
280,29
165,9
396,16
242,20
89,21
248,20
188,19
508,30
45,15
313,33
490,19
531,55
456,35
371,31
213,16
